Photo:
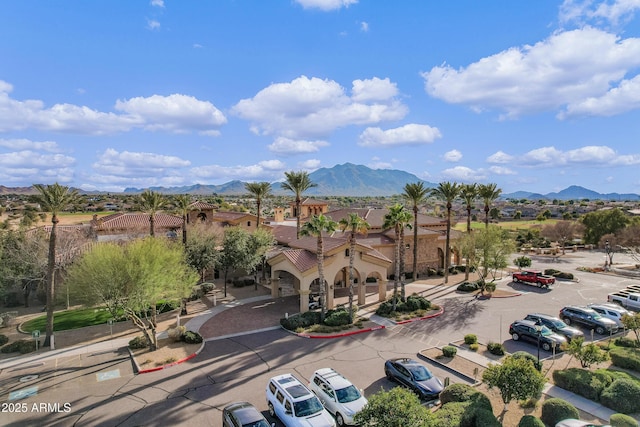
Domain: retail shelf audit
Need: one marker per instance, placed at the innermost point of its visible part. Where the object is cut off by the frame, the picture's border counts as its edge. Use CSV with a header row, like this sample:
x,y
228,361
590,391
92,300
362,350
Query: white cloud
x,y
591,155
380,165
559,71
452,156
152,24
266,170
500,157
157,3
464,174
325,5
312,107
582,11
137,164
364,27
501,170
310,164
411,134
286,146
35,167
26,144
618,100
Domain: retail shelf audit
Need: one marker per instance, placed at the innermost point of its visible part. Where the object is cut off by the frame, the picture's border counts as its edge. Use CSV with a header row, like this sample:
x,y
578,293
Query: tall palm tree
x,y
468,193
356,225
183,201
315,226
151,202
488,193
298,183
416,193
397,218
447,191
259,190
53,198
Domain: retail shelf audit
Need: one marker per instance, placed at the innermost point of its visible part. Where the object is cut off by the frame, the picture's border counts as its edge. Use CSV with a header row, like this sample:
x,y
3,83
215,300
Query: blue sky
x,y
534,96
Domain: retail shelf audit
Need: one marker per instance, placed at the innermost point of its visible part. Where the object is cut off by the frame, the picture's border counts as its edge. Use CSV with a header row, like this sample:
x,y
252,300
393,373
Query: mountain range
x,y
349,179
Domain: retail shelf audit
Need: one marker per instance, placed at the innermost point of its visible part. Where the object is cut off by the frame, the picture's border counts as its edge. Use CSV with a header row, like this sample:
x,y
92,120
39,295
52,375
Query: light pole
x,y
539,332
607,250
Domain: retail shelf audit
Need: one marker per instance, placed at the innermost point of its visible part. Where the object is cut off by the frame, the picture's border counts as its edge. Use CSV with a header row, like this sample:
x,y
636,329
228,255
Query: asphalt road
x,y
101,389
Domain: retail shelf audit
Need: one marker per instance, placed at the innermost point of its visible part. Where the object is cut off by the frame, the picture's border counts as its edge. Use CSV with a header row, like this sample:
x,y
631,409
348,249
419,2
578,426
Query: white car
x,y
338,395
610,311
572,422
294,404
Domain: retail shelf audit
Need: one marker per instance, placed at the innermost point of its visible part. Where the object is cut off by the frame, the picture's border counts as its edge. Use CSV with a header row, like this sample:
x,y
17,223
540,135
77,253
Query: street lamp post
x,y
607,250
539,332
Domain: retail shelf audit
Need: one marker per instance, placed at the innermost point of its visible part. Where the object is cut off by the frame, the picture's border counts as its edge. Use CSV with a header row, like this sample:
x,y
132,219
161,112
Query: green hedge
x,y
470,339
622,420
20,346
496,348
303,320
626,358
626,342
622,396
3,340
556,409
191,337
528,356
468,287
413,303
530,421
449,351
583,382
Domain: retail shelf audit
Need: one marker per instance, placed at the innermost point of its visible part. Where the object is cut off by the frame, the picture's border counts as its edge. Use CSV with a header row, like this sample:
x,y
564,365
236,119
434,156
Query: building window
x,y
346,252
248,223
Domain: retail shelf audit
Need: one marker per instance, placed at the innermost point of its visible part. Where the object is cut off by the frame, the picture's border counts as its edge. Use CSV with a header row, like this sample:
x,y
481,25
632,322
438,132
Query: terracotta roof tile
x,y
124,221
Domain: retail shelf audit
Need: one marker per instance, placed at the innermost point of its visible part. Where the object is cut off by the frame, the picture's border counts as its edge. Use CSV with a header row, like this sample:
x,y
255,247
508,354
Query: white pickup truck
x,y
629,300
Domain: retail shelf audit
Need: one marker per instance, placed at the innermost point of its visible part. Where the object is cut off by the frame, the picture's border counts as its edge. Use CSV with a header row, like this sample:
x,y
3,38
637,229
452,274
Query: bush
x,y
583,382
565,276
20,346
191,337
415,302
457,392
450,414
449,351
622,420
551,272
337,318
470,339
303,320
238,283
207,287
175,334
530,421
3,339
490,287
474,347
622,396
496,348
528,356
138,343
478,417
626,342
624,357
556,409
467,287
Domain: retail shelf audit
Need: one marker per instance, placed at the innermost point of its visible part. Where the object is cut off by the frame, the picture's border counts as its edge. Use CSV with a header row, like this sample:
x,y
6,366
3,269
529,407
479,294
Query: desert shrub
x,y
470,339
450,414
474,347
207,287
564,275
496,348
175,334
556,409
476,416
449,351
303,320
551,272
622,396
238,283
622,420
20,346
624,357
415,302
138,343
528,356
337,318
583,382
191,337
457,392
530,421
3,339
467,287
490,287
626,342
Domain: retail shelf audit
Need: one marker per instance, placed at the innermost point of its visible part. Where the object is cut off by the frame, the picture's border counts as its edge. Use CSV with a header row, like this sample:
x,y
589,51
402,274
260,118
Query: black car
x,y
243,414
556,325
527,330
415,376
589,318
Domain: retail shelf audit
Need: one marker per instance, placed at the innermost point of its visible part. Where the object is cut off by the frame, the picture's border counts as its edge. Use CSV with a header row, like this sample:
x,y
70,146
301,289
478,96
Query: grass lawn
x,y
510,225
70,319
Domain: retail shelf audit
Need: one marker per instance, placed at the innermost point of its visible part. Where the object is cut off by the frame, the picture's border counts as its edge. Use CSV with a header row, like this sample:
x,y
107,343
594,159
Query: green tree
x,y
151,202
516,378
202,248
448,192
235,254
397,218
415,193
522,262
297,183
598,223
586,354
488,251
53,198
354,224
488,193
133,278
23,261
632,323
260,191
183,203
397,407
315,226
260,241
468,193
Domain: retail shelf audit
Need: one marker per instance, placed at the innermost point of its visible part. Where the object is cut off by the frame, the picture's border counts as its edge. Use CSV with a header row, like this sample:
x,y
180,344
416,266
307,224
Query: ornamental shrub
x,y
470,339
138,342
467,287
191,337
175,334
624,357
337,318
530,421
556,409
496,348
476,416
622,396
622,420
626,342
449,351
457,392
528,356
20,346
3,339
583,382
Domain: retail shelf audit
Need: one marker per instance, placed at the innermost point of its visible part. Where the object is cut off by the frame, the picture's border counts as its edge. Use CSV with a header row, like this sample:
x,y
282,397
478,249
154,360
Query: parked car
x,y
589,318
527,330
572,422
243,414
533,277
556,325
294,404
415,376
611,311
338,395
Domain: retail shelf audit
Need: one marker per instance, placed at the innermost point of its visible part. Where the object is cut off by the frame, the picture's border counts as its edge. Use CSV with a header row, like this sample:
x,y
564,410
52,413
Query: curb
x,y
438,313
345,334
139,371
473,381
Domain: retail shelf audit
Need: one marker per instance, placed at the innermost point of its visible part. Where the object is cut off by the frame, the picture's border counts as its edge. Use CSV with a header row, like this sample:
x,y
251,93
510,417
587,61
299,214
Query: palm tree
x,y
488,193
298,183
416,193
53,198
151,202
183,201
316,225
397,218
356,225
447,191
468,193
259,190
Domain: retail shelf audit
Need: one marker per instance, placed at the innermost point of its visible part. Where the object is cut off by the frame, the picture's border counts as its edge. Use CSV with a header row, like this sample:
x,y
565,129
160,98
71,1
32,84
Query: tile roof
x,y
375,217
302,259
201,206
124,221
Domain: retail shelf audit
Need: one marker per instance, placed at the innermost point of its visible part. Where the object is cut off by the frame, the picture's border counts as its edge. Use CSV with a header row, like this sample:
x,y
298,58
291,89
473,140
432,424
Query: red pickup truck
x,y
533,277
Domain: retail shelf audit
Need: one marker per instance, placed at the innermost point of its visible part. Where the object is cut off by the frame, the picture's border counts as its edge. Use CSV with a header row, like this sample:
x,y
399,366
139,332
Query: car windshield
x,y
545,331
559,324
420,373
347,394
307,407
260,423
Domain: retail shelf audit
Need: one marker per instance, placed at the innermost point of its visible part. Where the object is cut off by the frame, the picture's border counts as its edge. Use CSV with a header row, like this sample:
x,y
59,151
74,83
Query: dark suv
x,y
527,331
556,325
588,318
